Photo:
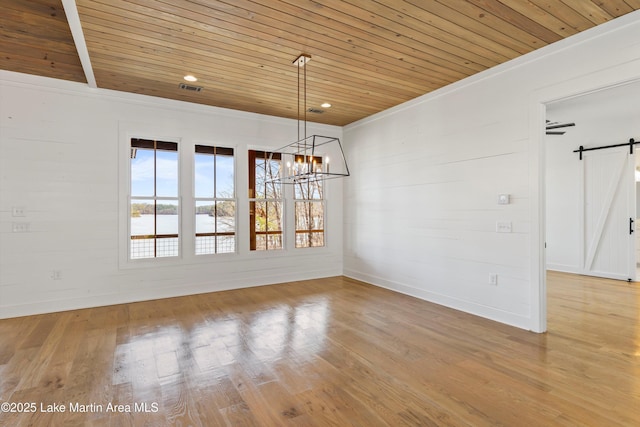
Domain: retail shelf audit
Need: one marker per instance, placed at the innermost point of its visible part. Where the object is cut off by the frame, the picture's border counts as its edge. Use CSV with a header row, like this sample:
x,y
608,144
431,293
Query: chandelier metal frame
x,y
307,158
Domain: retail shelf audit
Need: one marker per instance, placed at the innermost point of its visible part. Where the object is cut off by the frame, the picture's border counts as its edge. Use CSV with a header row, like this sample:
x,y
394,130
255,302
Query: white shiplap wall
x,y
63,155
421,207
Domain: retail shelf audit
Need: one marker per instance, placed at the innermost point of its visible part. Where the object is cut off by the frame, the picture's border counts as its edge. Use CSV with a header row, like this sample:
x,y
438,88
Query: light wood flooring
x,y
333,352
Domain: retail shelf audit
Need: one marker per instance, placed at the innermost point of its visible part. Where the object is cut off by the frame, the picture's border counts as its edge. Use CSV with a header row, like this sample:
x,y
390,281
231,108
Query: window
x,y
154,207
309,210
265,201
215,209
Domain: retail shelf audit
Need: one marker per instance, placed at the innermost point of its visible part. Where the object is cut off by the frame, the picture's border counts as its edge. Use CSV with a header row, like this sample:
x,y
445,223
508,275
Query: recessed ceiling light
x,y
325,105
190,78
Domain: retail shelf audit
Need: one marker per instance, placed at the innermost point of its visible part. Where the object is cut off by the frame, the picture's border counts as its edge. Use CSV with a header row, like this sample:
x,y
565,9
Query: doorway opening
x,y
591,197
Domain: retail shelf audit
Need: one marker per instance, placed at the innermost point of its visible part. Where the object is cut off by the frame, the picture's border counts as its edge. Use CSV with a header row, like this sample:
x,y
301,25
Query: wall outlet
x,y
56,275
493,279
503,227
20,227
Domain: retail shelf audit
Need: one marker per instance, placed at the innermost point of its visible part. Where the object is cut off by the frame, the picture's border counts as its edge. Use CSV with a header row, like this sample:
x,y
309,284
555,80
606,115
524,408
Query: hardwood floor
x,y
326,352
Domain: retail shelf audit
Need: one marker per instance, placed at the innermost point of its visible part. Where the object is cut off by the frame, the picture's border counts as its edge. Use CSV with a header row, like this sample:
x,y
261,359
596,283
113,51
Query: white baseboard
x,y
563,268
53,306
444,300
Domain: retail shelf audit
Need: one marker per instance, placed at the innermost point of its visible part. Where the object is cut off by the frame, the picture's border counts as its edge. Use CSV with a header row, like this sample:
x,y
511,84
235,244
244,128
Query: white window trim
x,y
124,200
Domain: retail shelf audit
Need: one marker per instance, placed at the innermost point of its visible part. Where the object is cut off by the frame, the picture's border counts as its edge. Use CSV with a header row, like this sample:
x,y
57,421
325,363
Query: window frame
x,y
215,199
299,198
186,201
253,199
153,144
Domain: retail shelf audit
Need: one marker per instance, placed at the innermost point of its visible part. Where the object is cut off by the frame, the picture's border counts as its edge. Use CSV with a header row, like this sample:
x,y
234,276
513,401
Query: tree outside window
x,y
309,211
265,201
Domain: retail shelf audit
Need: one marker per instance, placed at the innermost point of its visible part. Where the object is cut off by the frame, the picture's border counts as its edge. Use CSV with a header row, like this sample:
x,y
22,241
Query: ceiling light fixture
x,y
325,105
190,78
307,159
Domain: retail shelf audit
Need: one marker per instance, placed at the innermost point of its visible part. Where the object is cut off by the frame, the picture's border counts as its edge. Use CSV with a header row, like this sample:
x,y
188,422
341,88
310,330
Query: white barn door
x,y
608,247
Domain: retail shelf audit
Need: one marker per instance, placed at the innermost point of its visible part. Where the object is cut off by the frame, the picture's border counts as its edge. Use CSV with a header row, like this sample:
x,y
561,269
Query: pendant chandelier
x,y
309,158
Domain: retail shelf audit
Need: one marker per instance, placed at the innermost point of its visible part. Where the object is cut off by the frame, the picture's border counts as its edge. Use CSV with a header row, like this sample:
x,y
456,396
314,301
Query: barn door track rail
x,y
629,144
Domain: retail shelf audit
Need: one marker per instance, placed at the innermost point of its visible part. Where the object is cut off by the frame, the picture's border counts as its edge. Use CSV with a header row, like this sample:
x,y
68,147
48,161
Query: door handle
x,y
630,225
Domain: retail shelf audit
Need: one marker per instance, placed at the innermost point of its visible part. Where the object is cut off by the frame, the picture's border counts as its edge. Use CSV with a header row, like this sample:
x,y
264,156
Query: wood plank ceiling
x,y
366,55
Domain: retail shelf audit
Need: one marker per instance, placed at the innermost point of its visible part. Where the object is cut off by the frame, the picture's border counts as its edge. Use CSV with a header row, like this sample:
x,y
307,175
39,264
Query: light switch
x,y
20,227
18,211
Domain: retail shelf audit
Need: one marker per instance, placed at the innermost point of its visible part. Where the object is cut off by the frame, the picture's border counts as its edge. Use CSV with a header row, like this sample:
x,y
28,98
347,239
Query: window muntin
x,y
215,203
154,202
265,202
309,209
